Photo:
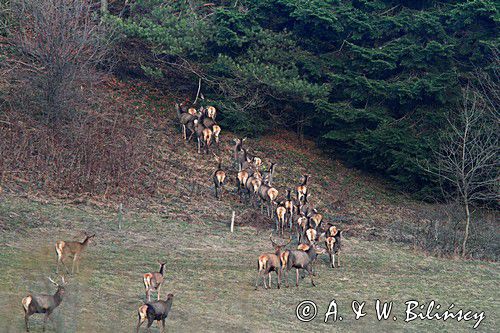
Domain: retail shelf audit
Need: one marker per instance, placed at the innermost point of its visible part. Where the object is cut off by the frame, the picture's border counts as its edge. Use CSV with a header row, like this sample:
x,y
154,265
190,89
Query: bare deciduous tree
x,y
467,157
62,42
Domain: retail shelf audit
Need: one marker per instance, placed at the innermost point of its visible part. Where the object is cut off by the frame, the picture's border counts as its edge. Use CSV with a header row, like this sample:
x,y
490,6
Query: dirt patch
x,y
253,218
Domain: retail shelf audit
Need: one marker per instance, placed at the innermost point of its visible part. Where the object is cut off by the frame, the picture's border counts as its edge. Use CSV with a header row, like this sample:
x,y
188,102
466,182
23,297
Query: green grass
x,y
212,274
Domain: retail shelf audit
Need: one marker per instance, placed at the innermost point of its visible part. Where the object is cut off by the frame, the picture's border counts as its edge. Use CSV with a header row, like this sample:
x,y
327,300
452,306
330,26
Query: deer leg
x,y
333,260
159,288
148,294
64,264
286,278
257,281
163,325
26,321
150,322
73,266
269,276
139,323
309,270
338,258
296,277
184,131
278,273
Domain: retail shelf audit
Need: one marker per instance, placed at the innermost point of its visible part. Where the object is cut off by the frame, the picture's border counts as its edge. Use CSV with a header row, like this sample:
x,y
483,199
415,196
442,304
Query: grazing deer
x,y
269,262
75,249
302,189
42,303
186,120
203,135
280,218
289,206
156,310
153,281
219,177
302,260
268,196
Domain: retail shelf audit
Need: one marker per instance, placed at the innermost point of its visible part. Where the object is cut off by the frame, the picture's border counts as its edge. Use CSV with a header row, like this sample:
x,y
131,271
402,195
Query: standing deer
x,y
75,249
268,196
302,189
211,112
153,281
267,177
156,310
333,243
203,136
42,303
302,260
269,262
219,177
252,186
186,120
289,206
280,218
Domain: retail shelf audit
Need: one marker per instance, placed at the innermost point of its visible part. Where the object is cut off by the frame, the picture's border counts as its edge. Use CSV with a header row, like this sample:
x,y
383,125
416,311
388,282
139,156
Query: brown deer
x,y
186,120
216,129
302,189
156,310
333,243
280,218
211,112
252,186
242,180
289,206
153,281
269,262
203,135
268,195
302,260
219,177
75,249
42,303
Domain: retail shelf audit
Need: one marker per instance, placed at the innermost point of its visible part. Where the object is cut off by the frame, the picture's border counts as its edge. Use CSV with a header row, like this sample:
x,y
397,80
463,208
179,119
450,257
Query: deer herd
x,y
254,185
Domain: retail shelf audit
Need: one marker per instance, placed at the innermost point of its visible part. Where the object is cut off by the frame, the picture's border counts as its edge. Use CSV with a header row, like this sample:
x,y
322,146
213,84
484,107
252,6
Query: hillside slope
x,y
212,274
211,271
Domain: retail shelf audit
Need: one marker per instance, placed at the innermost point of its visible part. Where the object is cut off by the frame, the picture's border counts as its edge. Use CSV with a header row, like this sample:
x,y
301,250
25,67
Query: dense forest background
x,y
373,82
370,81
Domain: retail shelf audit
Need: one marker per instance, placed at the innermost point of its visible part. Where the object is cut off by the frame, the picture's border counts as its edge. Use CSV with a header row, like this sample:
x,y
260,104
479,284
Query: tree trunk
x,y
467,222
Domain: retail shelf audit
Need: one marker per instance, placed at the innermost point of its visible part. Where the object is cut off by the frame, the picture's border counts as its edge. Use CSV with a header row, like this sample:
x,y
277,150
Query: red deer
x,y
219,177
186,120
302,189
75,249
268,196
301,227
269,262
267,177
252,186
153,281
280,218
216,131
211,112
156,310
315,219
203,135
302,260
289,206
333,243
242,180
42,303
